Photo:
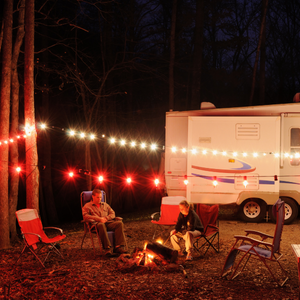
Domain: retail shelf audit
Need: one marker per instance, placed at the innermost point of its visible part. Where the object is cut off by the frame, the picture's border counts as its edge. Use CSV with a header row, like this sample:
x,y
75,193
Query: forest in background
x,y
115,67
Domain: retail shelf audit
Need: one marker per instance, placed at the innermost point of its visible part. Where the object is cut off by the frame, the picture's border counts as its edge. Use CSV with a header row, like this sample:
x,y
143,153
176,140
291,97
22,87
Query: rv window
x,y
295,146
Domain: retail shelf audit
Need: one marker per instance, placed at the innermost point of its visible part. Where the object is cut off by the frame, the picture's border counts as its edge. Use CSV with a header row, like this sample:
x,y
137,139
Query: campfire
x,y
154,256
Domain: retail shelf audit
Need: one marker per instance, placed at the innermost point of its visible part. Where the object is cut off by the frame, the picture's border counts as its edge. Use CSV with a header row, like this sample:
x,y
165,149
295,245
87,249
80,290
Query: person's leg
x,y
118,228
175,241
189,238
102,232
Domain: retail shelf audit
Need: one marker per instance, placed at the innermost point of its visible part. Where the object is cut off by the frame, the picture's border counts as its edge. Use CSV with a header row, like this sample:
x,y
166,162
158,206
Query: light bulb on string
x,y
153,147
101,179
156,182
128,180
215,181
183,150
143,145
112,140
174,149
122,142
133,144
18,169
245,182
92,136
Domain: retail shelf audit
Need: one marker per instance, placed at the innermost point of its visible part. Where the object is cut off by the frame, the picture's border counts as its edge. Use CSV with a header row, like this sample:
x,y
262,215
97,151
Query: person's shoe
x,y
120,250
107,252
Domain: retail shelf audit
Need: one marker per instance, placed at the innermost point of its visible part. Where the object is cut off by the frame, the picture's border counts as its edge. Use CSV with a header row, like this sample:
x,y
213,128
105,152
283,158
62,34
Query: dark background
x,y
103,67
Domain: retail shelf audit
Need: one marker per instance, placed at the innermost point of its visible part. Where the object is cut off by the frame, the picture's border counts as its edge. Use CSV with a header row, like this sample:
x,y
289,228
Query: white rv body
x,y
250,152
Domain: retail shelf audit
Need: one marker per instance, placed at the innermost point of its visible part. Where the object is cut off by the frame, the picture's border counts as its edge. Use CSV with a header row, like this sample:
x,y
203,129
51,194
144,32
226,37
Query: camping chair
x,y
34,236
209,219
168,215
259,249
85,197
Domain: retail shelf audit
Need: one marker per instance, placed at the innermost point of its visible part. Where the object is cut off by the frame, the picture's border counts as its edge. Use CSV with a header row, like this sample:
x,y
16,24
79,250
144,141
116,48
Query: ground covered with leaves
x,y
85,275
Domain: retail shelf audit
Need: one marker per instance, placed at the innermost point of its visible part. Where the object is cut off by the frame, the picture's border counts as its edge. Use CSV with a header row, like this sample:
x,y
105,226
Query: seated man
x,y
101,214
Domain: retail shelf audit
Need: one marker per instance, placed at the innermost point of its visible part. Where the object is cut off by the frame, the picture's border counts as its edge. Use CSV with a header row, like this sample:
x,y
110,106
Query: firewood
x,y
165,253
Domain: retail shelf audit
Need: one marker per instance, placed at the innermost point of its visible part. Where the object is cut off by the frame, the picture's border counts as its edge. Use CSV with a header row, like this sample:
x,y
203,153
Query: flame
x,y
145,246
159,241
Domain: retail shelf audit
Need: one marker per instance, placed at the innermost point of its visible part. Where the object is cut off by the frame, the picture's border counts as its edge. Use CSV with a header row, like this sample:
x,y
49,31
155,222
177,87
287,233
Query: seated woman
x,y
187,227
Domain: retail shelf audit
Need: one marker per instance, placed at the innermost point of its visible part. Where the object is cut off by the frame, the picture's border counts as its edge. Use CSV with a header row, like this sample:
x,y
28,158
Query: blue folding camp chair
x,y
260,249
85,197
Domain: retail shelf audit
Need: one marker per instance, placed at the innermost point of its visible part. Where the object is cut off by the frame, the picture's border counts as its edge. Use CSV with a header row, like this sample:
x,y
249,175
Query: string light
x,y
215,181
156,182
245,182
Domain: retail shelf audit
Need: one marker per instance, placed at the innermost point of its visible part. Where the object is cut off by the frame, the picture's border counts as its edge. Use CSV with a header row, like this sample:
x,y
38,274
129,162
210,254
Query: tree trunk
x,y
172,56
88,165
262,28
32,171
14,154
197,57
262,69
47,203
4,121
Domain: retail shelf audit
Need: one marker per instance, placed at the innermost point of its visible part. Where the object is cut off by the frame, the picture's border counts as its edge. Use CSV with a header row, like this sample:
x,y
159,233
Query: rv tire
x,y
253,210
291,211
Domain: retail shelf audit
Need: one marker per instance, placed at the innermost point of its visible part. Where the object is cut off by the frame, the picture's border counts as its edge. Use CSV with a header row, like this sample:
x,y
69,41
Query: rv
x,y
248,156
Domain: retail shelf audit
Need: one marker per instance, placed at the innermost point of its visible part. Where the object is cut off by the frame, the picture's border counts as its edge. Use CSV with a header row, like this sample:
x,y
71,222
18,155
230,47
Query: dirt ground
x,y
84,275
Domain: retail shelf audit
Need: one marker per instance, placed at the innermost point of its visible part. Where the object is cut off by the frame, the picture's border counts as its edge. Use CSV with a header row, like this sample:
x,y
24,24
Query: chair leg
x,y
28,247
92,242
238,264
83,238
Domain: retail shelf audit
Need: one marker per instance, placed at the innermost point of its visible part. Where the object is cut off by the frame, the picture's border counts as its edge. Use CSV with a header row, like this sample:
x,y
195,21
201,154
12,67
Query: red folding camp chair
x,y
168,215
209,218
34,236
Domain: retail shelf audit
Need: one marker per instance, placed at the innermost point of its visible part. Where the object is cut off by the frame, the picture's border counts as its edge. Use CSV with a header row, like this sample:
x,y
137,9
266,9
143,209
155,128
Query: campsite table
x,y
296,249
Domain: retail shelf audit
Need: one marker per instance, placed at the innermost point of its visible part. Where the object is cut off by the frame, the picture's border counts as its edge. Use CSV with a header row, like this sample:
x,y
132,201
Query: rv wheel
x,y
291,211
253,210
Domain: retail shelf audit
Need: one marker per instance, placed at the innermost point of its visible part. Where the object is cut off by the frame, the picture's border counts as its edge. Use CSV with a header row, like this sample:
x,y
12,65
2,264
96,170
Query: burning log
x,y
165,253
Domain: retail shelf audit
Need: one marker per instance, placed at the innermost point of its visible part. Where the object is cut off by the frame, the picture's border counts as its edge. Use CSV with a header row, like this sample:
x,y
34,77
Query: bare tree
x,y
4,121
14,154
172,56
197,57
32,172
261,35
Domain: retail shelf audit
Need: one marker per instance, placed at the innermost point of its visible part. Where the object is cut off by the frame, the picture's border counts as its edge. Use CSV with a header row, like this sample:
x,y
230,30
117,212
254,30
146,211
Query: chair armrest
x,y
55,228
252,240
261,234
23,233
154,216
